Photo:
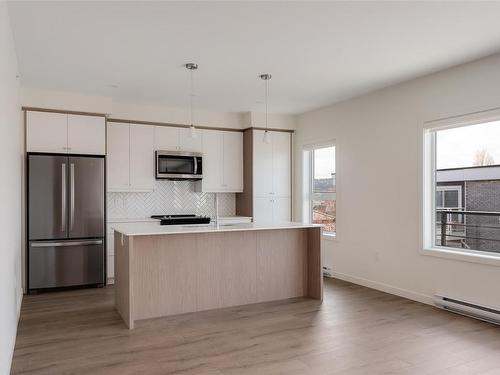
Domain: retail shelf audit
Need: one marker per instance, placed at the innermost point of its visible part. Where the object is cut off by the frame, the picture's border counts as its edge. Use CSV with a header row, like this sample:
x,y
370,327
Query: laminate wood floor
x,y
355,331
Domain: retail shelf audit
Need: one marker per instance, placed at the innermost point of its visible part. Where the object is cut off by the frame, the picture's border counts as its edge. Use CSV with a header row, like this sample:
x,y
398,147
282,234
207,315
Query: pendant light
x,y
191,67
267,136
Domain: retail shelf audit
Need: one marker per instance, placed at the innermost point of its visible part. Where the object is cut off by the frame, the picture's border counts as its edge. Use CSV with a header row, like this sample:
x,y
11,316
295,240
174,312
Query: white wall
x,y
54,99
379,154
11,161
277,121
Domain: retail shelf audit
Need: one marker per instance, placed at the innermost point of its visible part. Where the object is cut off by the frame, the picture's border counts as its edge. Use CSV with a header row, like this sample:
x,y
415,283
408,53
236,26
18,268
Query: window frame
x,y
428,179
310,195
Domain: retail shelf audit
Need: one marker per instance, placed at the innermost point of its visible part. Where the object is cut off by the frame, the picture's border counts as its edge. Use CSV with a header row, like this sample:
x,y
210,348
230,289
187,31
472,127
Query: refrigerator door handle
x,y
65,244
63,197
72,199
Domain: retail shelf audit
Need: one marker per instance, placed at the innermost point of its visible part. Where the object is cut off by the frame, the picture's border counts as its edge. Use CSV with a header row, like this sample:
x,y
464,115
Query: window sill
x,y
463,255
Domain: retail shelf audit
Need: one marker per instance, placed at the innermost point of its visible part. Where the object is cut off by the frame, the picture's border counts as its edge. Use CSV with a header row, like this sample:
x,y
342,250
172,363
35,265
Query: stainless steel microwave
x,y
179,165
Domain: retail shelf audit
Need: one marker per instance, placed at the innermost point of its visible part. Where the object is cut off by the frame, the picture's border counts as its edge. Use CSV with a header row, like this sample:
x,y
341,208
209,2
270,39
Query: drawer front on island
x,y
160,275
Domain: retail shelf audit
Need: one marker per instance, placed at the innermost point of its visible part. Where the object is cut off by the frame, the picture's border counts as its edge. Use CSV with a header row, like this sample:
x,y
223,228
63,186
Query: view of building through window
x,y
467,187
323,189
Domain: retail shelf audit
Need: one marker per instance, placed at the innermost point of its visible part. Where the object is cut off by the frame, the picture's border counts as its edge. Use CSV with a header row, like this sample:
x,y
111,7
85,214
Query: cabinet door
x,y
142,157
233,162
110,250
281,164
213,154
262,165
281,209
187,143
111,269
86,135
263,210
166,138
46,132
117,159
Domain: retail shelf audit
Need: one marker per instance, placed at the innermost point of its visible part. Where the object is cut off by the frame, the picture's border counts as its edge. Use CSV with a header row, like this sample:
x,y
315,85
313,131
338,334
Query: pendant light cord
x,y
267,83
191,94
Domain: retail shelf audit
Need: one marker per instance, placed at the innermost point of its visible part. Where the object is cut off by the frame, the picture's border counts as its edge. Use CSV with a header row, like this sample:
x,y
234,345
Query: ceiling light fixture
x,y
267,136
191,67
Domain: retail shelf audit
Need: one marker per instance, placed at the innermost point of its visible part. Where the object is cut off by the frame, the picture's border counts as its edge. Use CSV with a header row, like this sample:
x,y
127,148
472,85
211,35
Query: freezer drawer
x,y
55,264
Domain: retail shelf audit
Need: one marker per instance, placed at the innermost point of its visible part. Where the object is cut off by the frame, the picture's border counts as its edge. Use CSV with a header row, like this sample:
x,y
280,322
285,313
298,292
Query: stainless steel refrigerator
x,y
66,227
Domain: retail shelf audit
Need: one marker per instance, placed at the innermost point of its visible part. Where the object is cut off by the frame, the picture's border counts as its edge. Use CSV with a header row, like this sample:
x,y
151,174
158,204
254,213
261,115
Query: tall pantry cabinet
x,y
267,177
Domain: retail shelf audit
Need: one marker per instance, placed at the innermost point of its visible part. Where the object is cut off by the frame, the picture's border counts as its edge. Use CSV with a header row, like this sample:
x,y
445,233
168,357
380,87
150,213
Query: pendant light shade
x,y
267,135
191,67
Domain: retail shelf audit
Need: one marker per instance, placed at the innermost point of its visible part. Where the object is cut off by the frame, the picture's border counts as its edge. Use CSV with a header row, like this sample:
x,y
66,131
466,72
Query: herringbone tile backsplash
x,y
169,197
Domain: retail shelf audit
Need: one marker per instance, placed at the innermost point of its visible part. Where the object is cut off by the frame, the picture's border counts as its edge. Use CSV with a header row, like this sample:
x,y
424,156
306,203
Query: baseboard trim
x,y
408,294
13,339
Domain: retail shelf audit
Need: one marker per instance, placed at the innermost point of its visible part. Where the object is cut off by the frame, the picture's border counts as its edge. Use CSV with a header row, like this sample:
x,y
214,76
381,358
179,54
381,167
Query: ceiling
x,y
317,52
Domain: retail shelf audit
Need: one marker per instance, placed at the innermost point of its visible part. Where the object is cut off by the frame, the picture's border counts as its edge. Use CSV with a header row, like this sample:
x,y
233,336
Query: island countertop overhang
x,y
155,229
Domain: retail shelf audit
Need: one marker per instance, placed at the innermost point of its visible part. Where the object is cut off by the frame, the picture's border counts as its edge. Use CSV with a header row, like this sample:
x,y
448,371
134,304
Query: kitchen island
x,y
167,270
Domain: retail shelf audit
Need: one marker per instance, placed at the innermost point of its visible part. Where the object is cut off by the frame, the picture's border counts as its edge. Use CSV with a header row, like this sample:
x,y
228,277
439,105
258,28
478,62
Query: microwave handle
x,y
195,165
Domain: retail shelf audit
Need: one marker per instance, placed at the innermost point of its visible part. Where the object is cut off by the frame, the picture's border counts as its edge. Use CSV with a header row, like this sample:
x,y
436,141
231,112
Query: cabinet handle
x,y
64,244
72,198
63,197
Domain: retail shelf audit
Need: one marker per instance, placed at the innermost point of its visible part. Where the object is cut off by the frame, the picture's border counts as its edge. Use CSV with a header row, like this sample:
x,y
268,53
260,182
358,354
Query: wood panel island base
x,y
161,271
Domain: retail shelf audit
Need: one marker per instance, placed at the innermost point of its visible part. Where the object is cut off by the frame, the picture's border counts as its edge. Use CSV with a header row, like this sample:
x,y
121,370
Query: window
x,y
462,187
449,197
322,188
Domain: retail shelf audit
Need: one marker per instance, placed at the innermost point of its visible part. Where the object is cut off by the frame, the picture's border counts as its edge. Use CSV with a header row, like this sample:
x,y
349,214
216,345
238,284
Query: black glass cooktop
x,y
181,219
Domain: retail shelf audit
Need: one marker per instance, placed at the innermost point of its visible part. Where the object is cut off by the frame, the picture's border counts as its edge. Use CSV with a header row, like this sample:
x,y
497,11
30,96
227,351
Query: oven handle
x,y
195,165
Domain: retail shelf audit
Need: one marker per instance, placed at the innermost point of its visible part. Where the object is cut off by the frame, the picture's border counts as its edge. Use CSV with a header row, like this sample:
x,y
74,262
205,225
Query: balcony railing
x,y
476,230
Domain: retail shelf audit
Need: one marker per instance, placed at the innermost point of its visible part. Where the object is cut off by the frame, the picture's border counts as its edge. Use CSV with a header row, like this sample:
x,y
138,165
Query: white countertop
x,y
154,228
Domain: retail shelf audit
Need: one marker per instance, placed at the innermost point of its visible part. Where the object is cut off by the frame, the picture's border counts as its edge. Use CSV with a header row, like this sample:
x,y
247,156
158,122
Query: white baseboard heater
x,y
469,309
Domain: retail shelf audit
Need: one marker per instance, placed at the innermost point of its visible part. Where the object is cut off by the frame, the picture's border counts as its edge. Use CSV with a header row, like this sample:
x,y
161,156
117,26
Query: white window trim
x,y
308,170
428,192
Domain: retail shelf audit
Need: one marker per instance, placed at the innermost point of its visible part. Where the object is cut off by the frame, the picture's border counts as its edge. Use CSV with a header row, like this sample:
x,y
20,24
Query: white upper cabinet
x,y
271,164
281,164
262,165
86,135
142,162
65,133
46,132
222,161
188,143
212,161
233,161
168,138
130,159
118,158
